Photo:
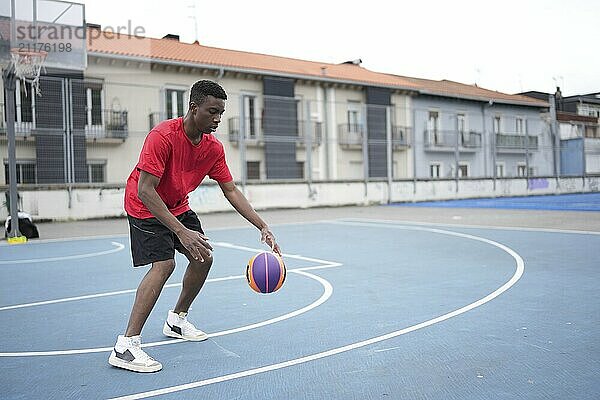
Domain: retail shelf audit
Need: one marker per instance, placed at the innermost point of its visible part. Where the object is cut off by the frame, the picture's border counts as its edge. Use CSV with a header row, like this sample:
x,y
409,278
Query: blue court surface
x,y
371,309
564,202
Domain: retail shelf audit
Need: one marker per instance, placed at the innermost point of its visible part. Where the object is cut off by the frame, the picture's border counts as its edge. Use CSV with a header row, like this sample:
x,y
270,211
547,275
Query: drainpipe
x,y
326,135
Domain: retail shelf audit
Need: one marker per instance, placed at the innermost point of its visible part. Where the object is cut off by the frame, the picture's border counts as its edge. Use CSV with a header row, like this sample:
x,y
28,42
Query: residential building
x,y
578,127
286,119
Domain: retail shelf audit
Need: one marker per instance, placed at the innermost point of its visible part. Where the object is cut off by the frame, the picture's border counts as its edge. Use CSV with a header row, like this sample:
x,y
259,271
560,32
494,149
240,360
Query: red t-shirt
x,y
181,166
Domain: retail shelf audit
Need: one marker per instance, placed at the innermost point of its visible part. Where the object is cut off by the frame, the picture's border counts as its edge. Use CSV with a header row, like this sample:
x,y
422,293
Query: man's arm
x,y
193,241
242,206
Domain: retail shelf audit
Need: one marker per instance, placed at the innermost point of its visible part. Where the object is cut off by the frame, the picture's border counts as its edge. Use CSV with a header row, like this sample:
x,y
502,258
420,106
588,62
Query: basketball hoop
x,y
27,66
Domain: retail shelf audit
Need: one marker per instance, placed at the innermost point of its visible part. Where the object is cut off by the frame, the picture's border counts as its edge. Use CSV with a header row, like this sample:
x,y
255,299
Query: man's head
x,y
207,104
201,89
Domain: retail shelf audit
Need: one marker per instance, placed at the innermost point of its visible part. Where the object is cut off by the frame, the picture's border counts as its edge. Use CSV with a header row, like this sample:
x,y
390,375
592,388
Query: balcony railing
x,y
350,135
316,132
253,130
516,142
22,128
154,118
400,136
255,135
113,126
448,139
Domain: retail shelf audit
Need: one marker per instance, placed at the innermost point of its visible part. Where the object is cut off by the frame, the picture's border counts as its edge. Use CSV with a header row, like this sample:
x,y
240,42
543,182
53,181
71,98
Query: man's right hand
x,y
196,243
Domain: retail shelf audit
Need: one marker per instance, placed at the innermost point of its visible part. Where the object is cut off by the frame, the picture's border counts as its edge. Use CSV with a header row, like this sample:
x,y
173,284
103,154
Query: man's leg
x,y
177,325
147,294
193,280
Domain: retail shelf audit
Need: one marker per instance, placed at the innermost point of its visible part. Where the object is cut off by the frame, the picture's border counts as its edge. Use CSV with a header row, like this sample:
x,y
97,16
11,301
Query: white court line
x,y
322,264
118,246
170,285
105,294
520,268
285,255
126,235
327,292
504,228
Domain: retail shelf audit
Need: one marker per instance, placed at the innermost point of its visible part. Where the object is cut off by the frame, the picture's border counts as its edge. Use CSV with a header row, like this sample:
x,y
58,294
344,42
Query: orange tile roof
x,y
170,50
451,88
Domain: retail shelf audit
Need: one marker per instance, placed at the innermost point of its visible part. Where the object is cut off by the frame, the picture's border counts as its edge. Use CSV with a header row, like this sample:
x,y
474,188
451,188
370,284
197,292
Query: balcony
x,y
350,135
154,118
112,127
447,140
255,136
400,136
22,129
515,143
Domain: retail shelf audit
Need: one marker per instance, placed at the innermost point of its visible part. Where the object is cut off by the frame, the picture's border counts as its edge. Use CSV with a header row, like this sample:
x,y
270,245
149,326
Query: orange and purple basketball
x,y
265,272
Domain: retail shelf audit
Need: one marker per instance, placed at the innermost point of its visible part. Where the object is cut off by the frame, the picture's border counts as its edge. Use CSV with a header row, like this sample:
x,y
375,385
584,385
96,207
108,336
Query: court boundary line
x,y
327,292
126,235
447,225
520,268
325,221
119,247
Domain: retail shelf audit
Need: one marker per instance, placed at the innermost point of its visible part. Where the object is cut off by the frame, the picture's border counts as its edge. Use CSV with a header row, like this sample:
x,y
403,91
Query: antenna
x,y
562,81
195,18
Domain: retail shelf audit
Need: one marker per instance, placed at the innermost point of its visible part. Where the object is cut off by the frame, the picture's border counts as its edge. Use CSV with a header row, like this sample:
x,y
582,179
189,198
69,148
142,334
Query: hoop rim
x,y
23,52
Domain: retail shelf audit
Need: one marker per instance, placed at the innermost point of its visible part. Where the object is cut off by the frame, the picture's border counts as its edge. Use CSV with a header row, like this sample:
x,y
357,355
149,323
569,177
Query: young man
x,y
176,156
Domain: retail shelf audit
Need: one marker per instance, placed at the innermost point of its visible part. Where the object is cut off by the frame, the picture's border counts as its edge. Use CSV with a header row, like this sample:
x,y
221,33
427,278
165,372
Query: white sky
x,y
506,45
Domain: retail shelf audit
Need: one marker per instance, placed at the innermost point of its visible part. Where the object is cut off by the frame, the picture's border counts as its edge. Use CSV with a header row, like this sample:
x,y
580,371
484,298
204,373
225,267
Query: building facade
x,y
285,119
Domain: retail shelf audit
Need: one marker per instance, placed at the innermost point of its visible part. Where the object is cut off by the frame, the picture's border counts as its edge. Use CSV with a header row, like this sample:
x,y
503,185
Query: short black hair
x,y
204,88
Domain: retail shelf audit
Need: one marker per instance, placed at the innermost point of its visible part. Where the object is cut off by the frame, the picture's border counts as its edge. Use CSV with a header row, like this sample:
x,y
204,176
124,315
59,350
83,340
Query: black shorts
x,y
151,241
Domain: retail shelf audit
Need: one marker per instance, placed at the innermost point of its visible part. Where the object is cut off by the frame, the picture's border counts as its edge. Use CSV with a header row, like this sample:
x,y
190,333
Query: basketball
x,y
265,272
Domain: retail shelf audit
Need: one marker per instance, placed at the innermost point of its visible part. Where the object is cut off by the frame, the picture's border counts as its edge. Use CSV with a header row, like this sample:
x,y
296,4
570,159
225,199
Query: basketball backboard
x,y
56,27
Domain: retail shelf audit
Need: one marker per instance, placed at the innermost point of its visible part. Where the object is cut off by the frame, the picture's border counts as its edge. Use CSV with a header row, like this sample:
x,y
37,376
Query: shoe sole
x,y
117,362
168,332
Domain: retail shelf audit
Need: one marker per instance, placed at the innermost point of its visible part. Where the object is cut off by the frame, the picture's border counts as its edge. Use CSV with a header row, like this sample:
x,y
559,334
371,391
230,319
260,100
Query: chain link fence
x,y
90,132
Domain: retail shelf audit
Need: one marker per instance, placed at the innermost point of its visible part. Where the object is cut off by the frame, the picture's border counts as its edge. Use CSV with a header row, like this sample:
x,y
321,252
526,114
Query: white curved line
x,y
285,255
517,275
105,294
170,285
328,290
118,246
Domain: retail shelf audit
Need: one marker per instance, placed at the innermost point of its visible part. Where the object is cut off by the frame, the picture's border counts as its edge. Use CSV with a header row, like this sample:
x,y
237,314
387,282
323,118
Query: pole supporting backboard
x,y
9,83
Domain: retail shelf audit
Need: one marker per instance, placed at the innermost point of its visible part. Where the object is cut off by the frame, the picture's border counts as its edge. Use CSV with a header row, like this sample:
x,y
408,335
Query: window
x,y
300,169
174,103
520,127
435,170
461,120
354,122
253,169
500,170
24,107
24,102
463,170
521,170
26,171
250,113
96,171
93,104
497,124
433,126
592,132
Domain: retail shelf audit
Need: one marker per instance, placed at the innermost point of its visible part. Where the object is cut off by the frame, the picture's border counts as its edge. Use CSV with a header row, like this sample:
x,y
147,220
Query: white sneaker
x,y
177,326
128,354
